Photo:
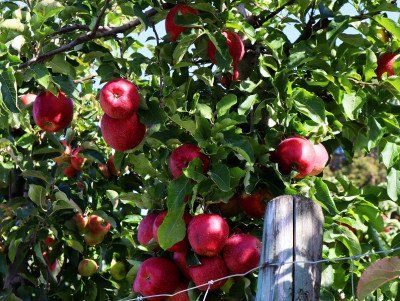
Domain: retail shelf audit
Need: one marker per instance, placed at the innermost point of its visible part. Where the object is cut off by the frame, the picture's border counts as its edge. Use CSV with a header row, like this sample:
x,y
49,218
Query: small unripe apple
x,y
117,270
122,134
119,98
171,28
182,156
92,239
179,246
145,229
28,99
156,276
242,253
296,153
87,267
208,234
52,113
211,268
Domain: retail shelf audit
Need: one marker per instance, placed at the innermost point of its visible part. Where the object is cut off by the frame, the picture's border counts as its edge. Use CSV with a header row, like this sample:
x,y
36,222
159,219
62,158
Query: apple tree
x,y
180,115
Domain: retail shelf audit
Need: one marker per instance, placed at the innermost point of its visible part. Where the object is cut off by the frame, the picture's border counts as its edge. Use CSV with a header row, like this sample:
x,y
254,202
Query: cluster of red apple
x,y
301,155
208,236
72,157
233,41
93,227
120,124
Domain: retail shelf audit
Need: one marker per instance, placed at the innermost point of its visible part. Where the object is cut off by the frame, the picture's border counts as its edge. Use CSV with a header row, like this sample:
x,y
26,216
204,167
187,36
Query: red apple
x,y
49,241
242,253
81,221
171,28
92,239
111,167
254,204
77,160
145,229
97,225
296,153
181,296
211,268
52,266
228,209
122,134
182,156
321,159
180,260
70,171
28,99
385,64
179,246
208,234
87,267
236,51
52,113
156,276
119,98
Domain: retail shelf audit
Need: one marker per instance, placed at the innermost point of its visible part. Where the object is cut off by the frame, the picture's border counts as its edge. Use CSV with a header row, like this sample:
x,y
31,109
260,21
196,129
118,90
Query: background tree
x,y
236,106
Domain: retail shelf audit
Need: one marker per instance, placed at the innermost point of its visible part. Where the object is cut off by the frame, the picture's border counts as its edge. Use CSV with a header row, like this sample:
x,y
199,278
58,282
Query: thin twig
x,y
84,79
99,17
362,83
158,57
87,37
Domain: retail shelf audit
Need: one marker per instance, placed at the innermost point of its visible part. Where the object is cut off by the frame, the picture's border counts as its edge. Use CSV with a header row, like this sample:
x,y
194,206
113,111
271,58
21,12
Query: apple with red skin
x,y
70,171
180,260
182,156
211,268
184,296
145,229
385,64
77,160
171,28
111,167
87,267
52,266
122,134
97,225
119,98
156,276
236,50
321,159
49,241
28,99
52,113
228,209
179,246
207,234
81,221
254,204
242,253
296,153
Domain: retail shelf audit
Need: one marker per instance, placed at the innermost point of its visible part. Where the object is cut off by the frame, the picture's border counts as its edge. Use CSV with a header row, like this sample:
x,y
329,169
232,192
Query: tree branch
x,y
99,17
87,37
258,21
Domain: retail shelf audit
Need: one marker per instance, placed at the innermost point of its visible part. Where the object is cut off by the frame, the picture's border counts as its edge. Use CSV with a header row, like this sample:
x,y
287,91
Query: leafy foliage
x,y
321,85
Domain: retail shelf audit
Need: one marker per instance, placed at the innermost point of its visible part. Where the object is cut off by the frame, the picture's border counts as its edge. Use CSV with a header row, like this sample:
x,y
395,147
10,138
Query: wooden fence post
x,y
292,232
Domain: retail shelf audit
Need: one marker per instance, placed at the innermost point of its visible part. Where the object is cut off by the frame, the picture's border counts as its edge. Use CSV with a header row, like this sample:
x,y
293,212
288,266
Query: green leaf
x,y
241,146
246,105
393,185
37,194
74,244
173,228
349,239
194,170
142,165
59,65
309,104
221,176
352,105
12,251
323,196
8,88
184,44
206,75
390,154
41,75
63,202
225,104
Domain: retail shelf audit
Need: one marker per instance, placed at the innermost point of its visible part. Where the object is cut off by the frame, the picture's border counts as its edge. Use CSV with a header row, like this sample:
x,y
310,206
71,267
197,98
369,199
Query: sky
x,y
145,37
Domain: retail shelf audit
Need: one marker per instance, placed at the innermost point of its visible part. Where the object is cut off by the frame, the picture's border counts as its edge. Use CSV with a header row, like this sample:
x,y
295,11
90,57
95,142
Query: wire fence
x,y
271,264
